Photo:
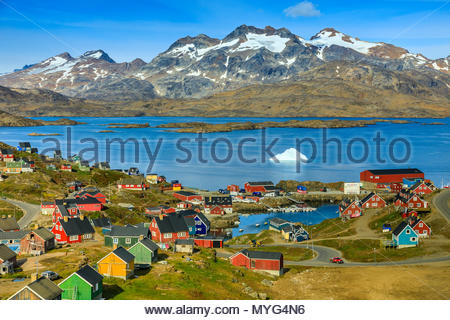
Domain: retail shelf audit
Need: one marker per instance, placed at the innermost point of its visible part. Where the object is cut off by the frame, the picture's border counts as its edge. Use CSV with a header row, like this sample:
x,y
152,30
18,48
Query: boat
x,y
257,225
240,230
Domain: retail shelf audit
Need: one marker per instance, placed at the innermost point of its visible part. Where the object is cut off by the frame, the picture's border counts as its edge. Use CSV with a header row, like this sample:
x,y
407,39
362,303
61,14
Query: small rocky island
x,y
128,125
9,120
203,127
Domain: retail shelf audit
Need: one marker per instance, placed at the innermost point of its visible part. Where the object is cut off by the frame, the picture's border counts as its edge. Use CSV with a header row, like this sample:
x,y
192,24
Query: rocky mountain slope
x,y
196,67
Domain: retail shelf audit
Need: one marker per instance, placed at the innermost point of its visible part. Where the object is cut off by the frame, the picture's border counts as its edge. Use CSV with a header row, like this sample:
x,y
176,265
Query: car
x,y
50,275
336,260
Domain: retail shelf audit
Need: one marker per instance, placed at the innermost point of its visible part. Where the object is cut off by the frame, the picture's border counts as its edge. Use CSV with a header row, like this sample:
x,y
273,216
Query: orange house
x,y
118,263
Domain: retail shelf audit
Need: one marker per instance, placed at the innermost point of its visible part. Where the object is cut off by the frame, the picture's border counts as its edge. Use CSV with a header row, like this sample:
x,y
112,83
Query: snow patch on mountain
x,y
273,43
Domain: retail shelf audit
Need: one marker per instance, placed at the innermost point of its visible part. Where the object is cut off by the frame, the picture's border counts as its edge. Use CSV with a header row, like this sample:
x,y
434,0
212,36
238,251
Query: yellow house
x,y
152,178
285,232
118,263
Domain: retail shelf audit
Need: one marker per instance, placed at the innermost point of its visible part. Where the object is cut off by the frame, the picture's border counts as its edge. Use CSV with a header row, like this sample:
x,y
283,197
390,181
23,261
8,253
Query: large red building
x,y
187,196
259,186
388,176
271,262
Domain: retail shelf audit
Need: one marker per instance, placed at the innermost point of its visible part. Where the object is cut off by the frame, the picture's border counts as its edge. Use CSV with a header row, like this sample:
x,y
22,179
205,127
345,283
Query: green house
x,y
145,251
84,284
125,236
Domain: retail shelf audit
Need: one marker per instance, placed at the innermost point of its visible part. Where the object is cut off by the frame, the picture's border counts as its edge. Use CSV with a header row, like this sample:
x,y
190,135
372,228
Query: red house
x,y
349,208
66,167
132,184
218,205
410,200
420,227
91,193
166,229
159,210
187,196
74,230
209,242
396,187
372,200
63,210
6,155
421,187
388,176
260,186
271,262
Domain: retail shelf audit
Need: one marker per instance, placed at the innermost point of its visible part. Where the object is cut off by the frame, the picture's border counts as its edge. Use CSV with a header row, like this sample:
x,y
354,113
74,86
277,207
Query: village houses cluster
x,y
180,228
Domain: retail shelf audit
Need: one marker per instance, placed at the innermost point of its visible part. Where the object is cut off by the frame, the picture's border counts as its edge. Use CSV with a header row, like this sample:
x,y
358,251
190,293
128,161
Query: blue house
x,y
404,236
202,224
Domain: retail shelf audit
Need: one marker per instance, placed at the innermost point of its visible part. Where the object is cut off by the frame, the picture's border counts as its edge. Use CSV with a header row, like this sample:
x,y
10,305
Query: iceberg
x,y
290,154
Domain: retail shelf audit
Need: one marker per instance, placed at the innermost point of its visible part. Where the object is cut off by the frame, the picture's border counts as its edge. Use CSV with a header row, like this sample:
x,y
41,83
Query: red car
x,y
336,260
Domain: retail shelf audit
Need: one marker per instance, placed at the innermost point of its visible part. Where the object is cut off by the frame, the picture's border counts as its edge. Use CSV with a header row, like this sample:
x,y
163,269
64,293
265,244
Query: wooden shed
x,y
184,245
145,251
118,263
84,284
40,289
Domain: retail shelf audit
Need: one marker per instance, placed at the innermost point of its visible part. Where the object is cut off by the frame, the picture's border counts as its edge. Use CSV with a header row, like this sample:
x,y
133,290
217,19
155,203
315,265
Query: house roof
x,y
399,229
171,224
44,233
13,235
347,203
24,144
149,244
262,254
186,193
260,183
123,254
367,198
218,201
133,181
210,237
6,253
45,288
101,222
194,213
278,221
76,226
418,183
395,171
7,224
190,222
184,242
90,275
128,231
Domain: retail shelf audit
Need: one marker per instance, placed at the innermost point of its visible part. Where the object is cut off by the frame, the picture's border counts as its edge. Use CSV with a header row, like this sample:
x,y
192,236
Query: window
x,y
415,198
408,231
181,234
252,263
96,287
116,240
425,232
154,233
128,240
73,238
58,236
418,205
413,239
167,235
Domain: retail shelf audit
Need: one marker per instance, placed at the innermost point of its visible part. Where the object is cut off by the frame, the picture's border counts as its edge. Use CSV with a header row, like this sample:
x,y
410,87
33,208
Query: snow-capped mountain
x,y
200,66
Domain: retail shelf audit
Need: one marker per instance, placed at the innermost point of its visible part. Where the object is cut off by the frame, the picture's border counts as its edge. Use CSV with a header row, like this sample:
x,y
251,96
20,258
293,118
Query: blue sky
x,y
31,31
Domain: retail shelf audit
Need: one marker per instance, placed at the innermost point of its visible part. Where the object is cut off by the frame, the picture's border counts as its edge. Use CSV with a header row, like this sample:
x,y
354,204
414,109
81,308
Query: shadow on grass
x,y
111,290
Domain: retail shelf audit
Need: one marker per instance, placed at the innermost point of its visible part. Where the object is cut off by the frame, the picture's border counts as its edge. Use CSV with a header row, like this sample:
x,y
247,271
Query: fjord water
x,y
429,149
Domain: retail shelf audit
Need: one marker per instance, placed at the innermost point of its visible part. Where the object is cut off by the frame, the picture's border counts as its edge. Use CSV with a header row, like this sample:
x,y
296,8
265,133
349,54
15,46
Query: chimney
x,y
161,216
9,215
3,216
36,226
66,219
34,277
141,237
81,217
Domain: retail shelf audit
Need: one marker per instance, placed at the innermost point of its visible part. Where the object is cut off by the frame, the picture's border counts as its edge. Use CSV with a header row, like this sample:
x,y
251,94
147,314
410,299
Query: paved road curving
x,y
440,201
30,211
324,254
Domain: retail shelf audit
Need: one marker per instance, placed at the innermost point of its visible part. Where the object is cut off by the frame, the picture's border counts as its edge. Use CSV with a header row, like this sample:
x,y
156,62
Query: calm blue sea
x,y
248,222
428,149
